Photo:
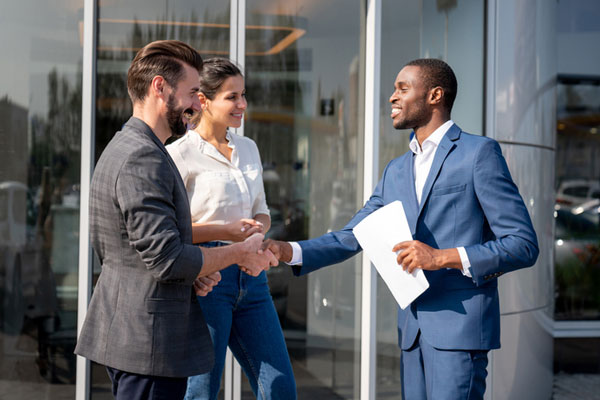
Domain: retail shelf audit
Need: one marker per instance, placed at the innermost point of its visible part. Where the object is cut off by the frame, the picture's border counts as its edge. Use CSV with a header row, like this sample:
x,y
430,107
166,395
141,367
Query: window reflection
x,y
40,129
304,113
124,27
577,209
423,29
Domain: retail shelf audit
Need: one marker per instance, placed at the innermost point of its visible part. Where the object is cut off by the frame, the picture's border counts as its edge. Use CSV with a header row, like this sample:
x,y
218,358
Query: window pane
x,y
577,209
124,27
40,129
304,76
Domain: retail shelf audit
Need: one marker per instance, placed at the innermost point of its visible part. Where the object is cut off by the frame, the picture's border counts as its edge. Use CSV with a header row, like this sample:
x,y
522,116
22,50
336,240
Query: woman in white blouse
x,y
222,173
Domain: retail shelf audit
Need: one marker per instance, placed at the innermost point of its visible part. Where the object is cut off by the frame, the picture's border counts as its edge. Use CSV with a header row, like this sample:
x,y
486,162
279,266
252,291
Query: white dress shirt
x,y
424,155
220,191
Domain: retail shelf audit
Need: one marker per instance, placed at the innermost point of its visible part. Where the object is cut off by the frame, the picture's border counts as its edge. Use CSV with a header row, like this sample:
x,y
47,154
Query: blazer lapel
x,y
143,127
444,148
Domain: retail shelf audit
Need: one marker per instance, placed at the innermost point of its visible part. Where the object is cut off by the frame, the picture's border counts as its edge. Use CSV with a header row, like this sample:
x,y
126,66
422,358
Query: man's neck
x,y
152,116
423,132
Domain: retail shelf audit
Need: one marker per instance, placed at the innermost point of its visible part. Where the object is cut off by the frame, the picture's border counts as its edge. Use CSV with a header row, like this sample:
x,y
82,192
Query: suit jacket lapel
x,y
143,127
444,148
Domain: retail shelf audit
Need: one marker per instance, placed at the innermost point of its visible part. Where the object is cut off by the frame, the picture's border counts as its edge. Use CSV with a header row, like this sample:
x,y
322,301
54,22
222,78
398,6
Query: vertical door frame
x,y
368,320
88,116
237,53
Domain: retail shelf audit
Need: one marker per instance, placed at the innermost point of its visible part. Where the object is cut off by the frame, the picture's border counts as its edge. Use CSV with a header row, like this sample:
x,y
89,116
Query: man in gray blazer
x,y
144,323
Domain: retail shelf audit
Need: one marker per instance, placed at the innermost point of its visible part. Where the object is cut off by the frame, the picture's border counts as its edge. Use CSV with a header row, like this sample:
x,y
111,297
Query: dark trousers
x,y
128,386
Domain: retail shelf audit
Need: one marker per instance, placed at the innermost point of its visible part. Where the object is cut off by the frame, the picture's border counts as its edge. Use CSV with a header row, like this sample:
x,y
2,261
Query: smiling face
x,y
228,105
183,101
410,108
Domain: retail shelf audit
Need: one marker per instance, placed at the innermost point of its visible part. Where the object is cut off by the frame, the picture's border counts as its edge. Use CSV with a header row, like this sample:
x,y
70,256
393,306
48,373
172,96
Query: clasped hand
x,y
244,228
254,258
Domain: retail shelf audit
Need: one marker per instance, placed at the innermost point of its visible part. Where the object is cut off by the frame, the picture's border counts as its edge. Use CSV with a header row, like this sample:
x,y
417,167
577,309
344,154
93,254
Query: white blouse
x,y
220,191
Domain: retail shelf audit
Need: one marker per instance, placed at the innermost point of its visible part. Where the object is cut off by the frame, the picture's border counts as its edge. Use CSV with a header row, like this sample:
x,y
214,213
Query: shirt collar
x,y
435,138
198,141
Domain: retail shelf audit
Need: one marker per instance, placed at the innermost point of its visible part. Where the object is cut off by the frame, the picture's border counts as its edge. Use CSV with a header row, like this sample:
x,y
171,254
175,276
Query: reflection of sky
x,y
578,16
37,37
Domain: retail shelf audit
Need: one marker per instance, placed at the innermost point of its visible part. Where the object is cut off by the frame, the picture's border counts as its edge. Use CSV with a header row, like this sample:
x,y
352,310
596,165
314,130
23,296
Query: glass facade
x,y
304,114
123,29
577,209
40,136
428,29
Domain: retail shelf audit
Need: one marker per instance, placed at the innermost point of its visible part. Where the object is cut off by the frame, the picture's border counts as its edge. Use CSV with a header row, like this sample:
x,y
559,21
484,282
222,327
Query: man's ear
x,y
436,95
158,86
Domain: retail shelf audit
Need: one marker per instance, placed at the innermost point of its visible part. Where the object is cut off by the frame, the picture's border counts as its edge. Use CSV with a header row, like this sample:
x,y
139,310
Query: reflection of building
x,y
13,141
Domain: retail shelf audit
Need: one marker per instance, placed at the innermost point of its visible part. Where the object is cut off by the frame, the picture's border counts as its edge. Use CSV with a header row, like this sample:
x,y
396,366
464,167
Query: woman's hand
x,y
238,231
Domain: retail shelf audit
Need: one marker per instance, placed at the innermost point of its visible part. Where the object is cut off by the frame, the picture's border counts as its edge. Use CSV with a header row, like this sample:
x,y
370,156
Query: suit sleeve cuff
x,y
296,254
464,260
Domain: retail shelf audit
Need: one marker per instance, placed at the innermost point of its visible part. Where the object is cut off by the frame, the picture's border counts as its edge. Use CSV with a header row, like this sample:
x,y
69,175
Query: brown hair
x,y
162,57
213,74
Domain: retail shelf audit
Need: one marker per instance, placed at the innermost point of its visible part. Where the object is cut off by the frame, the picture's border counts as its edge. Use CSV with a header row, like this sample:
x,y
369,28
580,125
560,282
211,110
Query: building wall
x,y
522,117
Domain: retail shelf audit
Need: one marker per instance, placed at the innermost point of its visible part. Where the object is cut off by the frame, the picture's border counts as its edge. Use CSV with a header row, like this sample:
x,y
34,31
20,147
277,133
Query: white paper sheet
x,y
378,234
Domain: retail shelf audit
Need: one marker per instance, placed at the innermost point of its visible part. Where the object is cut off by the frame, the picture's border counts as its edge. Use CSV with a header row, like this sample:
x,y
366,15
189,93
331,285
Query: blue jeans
x,y
240,314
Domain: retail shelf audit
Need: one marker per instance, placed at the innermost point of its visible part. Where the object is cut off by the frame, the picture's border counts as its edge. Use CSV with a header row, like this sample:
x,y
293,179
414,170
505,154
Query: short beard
x,y
174,117
419,117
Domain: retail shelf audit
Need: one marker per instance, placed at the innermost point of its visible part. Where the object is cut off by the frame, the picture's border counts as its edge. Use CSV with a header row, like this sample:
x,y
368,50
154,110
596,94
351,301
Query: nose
x,y
243,103
393,97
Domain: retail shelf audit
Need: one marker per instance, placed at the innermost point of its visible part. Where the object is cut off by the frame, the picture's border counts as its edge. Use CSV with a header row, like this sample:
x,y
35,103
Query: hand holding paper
x,y
378,234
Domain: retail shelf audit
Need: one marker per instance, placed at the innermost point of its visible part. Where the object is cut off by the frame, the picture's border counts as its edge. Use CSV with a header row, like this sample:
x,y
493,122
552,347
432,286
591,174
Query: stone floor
x,y
576,387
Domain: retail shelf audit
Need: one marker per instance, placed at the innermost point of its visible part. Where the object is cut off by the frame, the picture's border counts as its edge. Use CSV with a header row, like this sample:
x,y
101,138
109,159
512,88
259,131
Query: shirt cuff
x,y
464,260
296,254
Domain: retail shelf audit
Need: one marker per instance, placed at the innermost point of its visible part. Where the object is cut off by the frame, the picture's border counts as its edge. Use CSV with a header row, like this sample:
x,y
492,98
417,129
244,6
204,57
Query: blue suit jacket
x,y
469,200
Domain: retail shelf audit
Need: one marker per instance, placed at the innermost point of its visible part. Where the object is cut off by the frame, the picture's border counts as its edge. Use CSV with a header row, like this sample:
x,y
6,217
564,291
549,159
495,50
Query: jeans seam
x,y
259,385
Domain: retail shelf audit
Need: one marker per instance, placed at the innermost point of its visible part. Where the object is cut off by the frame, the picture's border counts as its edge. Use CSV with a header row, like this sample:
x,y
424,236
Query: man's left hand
x,y
414,254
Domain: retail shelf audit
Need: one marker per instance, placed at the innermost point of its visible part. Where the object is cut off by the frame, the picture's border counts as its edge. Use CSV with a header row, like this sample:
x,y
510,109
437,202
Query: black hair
x,y
436,73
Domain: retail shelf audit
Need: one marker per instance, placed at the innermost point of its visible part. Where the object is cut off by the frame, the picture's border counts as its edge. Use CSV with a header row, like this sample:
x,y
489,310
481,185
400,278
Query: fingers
x,y
402,245
251,230
266,244
204,285
273,246
251,270
251,224
273,261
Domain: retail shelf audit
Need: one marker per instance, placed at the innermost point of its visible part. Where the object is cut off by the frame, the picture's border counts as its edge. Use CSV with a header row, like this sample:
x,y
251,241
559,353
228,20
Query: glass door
x,y
40,140
124,27
304,78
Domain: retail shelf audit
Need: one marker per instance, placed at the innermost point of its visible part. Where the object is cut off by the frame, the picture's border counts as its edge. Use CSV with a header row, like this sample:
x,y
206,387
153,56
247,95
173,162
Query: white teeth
x,y
395,111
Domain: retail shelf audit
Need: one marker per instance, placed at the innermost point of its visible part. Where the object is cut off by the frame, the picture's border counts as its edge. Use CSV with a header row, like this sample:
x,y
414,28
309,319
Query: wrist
x,y
238,253
286,252
448,258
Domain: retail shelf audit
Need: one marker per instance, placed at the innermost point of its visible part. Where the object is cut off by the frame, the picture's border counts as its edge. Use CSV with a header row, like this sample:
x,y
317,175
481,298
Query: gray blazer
x,y
143,317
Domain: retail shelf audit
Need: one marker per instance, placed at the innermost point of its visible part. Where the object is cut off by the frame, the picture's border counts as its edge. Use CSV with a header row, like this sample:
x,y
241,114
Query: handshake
x,y
253,256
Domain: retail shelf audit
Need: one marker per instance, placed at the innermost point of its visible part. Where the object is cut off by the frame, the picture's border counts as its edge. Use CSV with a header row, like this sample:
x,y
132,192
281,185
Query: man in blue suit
x,y
469,225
